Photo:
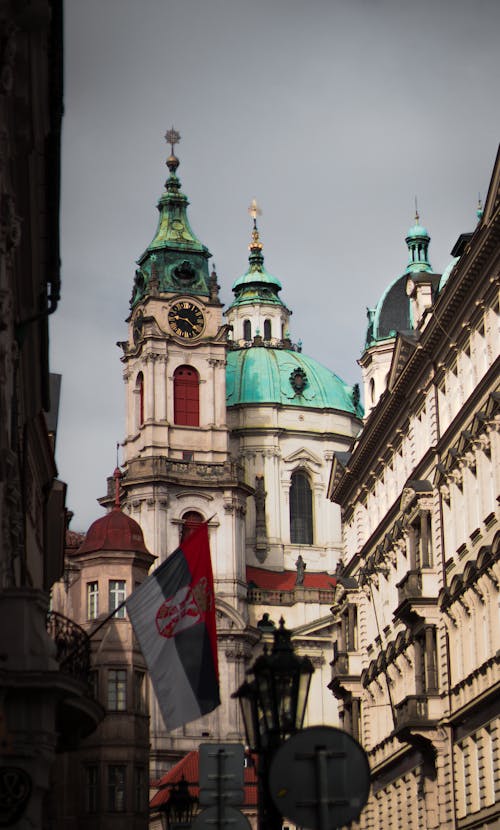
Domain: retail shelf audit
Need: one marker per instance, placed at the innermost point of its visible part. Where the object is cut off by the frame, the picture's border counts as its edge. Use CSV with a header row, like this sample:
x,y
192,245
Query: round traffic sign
x,y
320,778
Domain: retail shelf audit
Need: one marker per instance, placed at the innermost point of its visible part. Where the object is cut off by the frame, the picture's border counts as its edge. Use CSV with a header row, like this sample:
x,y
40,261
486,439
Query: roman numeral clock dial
x,y
186,319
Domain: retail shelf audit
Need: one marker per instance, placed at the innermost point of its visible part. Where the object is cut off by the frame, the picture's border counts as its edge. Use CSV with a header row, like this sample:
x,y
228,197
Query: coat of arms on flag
x,y
173,615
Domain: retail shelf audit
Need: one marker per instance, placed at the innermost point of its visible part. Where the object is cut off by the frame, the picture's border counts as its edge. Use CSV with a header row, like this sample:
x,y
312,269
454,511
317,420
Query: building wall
x,y
416,665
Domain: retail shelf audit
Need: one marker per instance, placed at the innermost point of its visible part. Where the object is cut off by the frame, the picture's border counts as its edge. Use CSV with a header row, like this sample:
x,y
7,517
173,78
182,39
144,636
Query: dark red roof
x,y
188,768
114,531
286,580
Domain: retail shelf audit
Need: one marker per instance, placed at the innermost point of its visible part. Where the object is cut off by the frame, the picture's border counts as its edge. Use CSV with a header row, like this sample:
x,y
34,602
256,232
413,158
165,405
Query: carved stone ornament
x,y
15,791
298,381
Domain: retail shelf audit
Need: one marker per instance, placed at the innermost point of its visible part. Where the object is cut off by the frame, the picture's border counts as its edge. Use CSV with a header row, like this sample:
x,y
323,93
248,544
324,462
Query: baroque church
x,y
226,422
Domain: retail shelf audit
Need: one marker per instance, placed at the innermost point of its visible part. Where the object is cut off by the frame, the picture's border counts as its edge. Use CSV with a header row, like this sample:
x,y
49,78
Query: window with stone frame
x,y
139,400
117,690
92,600
426,662
267,329
91,788
186,396
190,521
140,693
247,330
349,628
140,791
352,717
421,541
116,788
301,510
117,595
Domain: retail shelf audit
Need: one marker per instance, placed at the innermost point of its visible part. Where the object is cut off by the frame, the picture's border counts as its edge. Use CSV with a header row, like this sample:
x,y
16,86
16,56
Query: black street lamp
x,y
273,705
179,810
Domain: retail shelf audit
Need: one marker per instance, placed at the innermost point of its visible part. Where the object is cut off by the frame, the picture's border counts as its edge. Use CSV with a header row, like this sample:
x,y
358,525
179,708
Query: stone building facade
x,y
104,782
416,666
45,700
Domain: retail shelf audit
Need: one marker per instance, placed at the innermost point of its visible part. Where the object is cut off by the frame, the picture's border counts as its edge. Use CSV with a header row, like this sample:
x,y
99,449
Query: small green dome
x,y
288,378
418,232
256,275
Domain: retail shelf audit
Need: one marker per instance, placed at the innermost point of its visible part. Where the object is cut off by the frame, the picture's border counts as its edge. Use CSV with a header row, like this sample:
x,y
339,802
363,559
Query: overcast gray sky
x,y
333,114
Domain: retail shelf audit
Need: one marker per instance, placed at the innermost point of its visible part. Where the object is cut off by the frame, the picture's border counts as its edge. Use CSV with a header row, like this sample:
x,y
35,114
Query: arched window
x,y
186,396
267,329
301,519
247,330
139,403
372,390
190,521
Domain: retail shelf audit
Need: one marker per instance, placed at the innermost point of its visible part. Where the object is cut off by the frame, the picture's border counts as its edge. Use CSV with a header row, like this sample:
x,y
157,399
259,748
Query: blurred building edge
x,y
43,702
416,665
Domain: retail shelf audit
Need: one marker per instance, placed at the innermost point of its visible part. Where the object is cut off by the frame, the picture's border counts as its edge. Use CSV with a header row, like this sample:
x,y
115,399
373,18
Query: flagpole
x,y
95,630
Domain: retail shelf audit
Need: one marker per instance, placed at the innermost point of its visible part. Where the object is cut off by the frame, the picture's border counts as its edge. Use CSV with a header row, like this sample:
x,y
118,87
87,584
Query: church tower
x,y
178,470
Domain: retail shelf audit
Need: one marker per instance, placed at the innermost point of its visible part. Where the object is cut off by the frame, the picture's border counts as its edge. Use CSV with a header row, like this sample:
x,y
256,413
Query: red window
x,y
190,521
186,396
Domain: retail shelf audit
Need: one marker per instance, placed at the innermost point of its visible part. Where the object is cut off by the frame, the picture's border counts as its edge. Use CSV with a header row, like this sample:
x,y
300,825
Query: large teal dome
x,y
288,378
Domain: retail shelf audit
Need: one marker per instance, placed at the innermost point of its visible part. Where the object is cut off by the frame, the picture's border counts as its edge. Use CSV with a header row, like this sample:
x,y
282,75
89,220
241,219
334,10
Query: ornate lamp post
x,y
273,705
178,812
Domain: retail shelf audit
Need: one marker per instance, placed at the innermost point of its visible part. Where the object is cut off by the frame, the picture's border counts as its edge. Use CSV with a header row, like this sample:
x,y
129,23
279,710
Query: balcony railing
x,y
72,646
260,596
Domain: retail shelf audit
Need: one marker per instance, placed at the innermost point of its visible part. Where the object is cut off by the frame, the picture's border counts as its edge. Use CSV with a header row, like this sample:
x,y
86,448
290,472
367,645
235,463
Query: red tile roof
x,y
115,531
189,768
286,580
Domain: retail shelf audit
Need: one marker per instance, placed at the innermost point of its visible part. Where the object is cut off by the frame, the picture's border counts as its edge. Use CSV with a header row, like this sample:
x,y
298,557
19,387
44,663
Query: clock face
x,y
186,319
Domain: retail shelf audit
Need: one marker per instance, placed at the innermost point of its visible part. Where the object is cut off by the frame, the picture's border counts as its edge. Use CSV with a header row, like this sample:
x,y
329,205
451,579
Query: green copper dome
x,y
392,314
417,231
288,378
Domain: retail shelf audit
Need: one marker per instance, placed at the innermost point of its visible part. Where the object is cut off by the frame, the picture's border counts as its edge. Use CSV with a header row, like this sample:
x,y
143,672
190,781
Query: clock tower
x,y
178,469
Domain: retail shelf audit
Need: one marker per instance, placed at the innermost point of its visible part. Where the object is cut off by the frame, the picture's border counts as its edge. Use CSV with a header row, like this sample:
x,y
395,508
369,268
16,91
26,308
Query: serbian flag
x,y
173,615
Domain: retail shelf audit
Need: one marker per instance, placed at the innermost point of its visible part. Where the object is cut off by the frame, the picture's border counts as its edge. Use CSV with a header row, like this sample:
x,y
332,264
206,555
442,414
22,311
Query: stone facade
x,y
416,650
45,700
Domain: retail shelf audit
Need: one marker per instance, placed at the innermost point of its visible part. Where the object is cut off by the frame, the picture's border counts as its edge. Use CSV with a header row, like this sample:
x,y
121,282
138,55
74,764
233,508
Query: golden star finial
x,y
172,138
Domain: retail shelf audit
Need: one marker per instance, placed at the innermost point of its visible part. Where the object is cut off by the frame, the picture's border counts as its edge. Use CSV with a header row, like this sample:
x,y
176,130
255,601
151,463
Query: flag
x,y
173,616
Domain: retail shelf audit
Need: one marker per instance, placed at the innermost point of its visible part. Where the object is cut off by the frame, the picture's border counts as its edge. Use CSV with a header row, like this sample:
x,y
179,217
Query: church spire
x,y
256,258
256,284
175,260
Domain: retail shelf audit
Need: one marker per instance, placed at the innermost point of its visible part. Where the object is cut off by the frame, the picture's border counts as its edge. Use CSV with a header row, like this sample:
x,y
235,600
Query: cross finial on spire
x,y
417,216
173,137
